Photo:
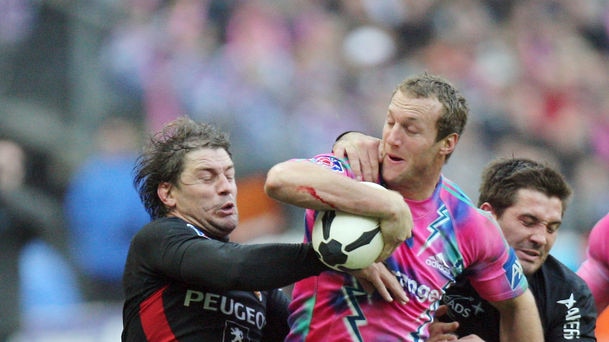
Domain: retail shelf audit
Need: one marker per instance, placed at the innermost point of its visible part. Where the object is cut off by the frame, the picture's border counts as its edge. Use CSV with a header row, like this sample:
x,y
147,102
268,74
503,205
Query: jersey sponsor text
x,y
227,306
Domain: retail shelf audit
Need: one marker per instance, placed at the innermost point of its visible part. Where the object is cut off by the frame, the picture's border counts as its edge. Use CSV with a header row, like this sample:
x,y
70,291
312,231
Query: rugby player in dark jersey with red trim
x,y
183,279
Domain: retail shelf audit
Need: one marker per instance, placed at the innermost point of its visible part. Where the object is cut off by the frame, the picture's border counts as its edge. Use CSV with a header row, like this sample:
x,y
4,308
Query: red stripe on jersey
x,y
153,318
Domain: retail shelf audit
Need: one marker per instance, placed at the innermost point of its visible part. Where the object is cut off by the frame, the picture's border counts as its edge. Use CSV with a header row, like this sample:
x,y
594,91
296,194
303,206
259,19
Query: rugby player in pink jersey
x,y
450,236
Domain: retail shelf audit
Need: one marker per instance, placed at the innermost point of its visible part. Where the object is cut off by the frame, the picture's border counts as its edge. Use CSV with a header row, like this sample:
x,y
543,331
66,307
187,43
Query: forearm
x,y
520,320
230,266
308,185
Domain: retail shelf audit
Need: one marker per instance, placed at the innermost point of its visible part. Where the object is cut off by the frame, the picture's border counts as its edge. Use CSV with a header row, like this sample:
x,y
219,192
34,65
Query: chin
x,y
389,176
530,269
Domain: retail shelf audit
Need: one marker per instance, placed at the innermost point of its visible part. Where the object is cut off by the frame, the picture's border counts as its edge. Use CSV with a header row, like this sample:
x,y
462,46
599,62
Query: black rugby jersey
x,y
183,286
564,301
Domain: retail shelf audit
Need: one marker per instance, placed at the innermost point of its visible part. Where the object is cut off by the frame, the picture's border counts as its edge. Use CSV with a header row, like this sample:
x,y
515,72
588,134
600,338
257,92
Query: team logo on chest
x,y
435,228
572,322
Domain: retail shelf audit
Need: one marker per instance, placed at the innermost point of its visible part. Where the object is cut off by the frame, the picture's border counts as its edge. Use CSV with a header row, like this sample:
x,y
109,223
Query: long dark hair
x,y
162,159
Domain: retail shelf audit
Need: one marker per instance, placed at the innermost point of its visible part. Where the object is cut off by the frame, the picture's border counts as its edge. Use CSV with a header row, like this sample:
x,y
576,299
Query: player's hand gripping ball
x,y
345,241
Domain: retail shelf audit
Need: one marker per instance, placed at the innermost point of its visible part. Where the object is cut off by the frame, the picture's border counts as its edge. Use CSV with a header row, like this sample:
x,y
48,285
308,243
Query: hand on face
x,y
363,152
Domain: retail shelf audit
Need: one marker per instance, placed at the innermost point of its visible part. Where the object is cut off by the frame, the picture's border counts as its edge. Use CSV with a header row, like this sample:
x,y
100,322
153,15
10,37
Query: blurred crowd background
x,y
83,81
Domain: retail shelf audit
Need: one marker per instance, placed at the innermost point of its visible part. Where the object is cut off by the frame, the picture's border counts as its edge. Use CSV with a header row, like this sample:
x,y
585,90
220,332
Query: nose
x,y
223,185
539,237
393,135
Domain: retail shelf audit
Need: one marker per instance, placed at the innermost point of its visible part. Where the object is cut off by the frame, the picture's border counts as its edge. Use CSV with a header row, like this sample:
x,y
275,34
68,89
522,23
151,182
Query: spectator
x,y
103,210
25,215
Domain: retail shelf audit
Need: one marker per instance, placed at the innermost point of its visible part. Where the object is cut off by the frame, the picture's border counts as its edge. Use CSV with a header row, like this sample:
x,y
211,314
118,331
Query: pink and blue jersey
x,y
595,269
450,236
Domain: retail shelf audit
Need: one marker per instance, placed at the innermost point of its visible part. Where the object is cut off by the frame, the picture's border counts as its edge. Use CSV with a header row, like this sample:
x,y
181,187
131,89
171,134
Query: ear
x,y
449,143
164,191
488,207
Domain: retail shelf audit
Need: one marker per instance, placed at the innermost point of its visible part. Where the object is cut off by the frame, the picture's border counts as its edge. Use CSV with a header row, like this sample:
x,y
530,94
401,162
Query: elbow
x,y
274,182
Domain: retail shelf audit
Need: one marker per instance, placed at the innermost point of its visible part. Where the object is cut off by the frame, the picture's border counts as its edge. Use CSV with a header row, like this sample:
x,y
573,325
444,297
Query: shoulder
x,y
558,278
166,227
449,188
460,205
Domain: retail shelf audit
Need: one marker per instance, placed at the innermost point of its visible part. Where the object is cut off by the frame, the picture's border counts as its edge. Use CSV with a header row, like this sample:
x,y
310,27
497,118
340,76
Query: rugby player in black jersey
x,y
183,279
528,199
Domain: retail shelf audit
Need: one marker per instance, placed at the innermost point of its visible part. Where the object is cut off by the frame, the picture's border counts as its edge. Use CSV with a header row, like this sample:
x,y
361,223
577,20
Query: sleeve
x,y
180,253
333,163
277,327
495,272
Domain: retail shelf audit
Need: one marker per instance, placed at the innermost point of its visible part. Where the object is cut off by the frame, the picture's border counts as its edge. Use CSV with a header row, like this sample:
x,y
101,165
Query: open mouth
x,y
528,254
227,209
394,158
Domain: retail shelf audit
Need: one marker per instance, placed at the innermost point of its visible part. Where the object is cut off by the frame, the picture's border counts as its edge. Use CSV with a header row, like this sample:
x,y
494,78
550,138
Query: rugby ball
x,y
345,241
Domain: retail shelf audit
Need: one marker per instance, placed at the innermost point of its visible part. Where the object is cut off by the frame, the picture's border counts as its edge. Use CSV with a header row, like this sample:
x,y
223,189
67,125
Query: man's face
x,y
409,135
530,227
206,192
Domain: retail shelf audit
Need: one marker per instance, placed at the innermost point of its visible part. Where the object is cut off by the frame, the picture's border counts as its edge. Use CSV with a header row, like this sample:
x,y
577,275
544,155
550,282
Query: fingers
x,y
369,288
361,164
442,338
442,310
339,150
382,290
371,170
383,284
362,151
392,284
440,331
355,161
378,277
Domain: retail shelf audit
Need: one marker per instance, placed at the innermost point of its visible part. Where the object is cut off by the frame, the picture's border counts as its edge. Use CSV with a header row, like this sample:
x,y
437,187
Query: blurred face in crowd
x,y
530,226
12,165
206,192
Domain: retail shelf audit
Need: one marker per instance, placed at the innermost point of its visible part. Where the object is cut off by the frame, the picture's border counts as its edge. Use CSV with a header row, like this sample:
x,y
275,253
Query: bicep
x,y
493,268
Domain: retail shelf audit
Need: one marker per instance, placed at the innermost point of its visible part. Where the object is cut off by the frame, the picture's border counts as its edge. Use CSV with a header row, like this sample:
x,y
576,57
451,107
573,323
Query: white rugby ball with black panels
x,y
345,241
